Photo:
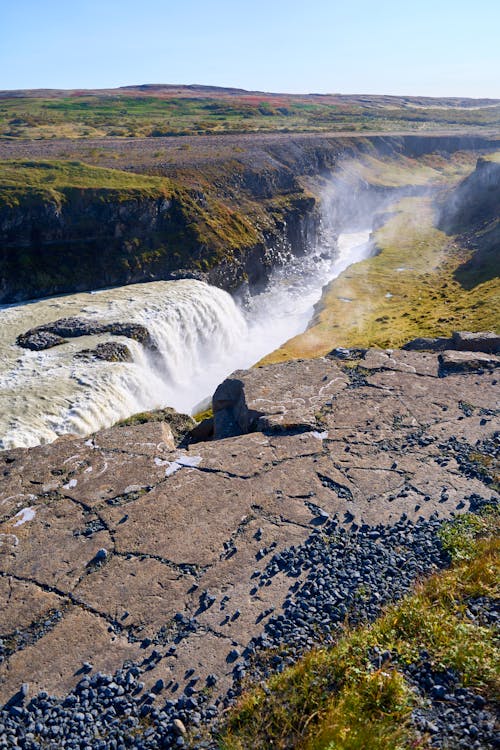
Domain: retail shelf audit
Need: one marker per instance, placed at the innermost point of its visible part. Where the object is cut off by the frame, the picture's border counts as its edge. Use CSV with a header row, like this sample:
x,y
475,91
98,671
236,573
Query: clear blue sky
x,y
426,47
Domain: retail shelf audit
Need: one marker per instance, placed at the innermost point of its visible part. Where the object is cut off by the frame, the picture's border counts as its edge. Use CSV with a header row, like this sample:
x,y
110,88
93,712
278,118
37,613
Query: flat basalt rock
x,y
423,344
278,398
464,341
212,546
455,362
180,424
53,334
485,341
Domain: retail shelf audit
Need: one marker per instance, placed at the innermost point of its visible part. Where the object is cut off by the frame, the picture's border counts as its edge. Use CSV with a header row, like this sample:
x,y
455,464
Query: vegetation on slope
x,y
400,170
411,287
83,114
336,699
54,180
70,226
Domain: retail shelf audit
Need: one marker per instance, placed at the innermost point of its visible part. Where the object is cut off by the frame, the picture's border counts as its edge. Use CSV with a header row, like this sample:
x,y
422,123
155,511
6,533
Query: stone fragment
x,y
456,362
485,341
179,727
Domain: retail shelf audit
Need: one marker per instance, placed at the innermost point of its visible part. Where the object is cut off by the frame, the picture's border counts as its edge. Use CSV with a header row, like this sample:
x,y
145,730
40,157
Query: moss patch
x,y
180,424
55,180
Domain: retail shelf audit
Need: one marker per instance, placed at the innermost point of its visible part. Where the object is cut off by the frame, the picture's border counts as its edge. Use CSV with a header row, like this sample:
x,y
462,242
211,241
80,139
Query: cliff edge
x,y
173,568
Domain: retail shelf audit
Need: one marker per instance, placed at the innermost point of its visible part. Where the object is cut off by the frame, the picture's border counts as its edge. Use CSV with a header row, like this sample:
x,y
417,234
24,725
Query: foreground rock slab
x,y
123,548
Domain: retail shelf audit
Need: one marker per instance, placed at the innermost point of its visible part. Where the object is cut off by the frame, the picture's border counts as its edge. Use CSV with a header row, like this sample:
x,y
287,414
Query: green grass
x,y
200,416
198,229
334,699
88,114
415,286
210,223
55,180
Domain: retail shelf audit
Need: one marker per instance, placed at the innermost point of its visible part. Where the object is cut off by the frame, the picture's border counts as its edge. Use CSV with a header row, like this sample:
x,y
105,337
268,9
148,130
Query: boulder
x,y
485,341
451,362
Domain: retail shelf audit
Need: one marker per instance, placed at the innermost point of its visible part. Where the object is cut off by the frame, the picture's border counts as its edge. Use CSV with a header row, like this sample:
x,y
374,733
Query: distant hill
x,y
151,110
167,90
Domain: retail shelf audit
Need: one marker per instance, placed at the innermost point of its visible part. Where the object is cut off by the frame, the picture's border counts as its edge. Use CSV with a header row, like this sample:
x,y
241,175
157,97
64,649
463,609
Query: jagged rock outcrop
x,y
284,398
364,436
475,200
486,341
109,351
472,210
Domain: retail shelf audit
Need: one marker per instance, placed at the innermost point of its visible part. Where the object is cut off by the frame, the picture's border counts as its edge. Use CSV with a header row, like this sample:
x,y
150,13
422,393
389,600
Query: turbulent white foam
x,y
45,394
200,333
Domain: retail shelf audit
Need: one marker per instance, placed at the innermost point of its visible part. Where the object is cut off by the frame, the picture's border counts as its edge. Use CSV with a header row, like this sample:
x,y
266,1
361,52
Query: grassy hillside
x,y
158,111
54,180
70,226
419,284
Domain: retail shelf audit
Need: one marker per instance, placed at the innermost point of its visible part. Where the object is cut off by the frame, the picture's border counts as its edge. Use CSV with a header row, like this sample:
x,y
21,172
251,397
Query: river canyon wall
x,y
226,218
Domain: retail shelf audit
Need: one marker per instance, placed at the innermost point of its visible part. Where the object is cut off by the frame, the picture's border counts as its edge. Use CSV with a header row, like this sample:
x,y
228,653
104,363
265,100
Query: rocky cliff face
x,y
246,216
472,211
475,201
171,568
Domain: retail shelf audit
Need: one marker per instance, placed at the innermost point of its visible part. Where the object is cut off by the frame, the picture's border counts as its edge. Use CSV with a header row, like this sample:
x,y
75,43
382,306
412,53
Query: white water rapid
x,y
201,334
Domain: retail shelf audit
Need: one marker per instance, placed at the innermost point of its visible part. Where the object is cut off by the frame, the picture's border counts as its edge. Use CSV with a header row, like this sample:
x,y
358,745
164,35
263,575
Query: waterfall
x,y
199,333
52,392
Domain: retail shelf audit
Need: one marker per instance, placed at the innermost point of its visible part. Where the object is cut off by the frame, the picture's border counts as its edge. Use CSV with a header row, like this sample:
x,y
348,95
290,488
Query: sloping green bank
x,y
422,281
335,699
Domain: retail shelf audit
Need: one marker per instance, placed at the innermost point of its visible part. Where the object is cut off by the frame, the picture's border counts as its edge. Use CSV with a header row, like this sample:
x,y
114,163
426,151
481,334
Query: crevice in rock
x,y
67,595
184,569
21,638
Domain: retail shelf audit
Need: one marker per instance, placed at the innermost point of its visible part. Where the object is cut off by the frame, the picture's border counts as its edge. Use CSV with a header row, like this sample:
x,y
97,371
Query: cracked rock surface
x,y
123,549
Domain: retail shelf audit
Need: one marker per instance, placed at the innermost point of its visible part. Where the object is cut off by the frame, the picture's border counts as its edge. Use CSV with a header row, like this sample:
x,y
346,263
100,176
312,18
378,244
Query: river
x,y
202,334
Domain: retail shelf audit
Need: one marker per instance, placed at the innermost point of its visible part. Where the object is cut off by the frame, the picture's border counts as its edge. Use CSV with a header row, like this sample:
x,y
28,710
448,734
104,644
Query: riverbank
x,y
434,268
